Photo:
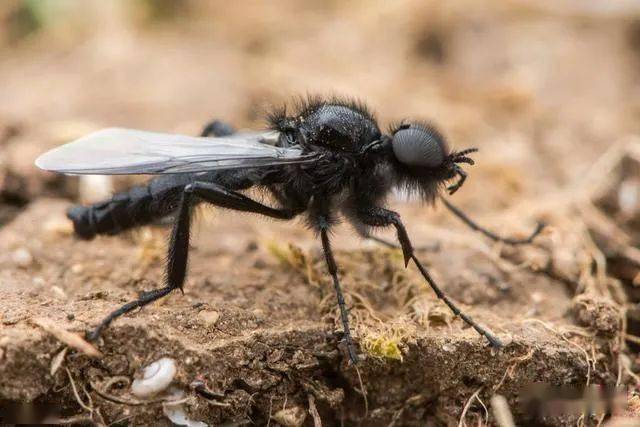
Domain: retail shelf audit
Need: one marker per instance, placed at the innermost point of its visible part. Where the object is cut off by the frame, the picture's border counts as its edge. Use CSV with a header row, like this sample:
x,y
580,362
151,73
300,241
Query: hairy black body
x,y
354,169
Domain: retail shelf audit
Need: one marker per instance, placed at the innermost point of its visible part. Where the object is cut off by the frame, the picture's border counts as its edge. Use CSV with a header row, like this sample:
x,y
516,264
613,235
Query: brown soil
x,y
257,322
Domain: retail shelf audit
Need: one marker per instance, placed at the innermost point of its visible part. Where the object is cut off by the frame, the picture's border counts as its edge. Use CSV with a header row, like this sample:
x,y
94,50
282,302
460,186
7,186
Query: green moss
x,y
383,347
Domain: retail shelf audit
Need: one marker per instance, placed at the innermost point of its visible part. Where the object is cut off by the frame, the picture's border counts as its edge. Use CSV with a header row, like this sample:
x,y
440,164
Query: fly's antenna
x,y
488,233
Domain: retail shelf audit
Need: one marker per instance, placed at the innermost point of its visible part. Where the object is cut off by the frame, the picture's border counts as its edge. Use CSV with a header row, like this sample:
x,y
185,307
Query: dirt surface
x,y
257,326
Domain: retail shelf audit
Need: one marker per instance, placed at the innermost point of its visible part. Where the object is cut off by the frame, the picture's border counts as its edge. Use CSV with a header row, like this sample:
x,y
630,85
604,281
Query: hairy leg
x,y
178,250
176,266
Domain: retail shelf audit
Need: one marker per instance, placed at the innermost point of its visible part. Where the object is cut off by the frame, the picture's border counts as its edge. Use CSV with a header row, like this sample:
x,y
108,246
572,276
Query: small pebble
x,y
210,317
290,417
58,292
448,348
58,226
22,257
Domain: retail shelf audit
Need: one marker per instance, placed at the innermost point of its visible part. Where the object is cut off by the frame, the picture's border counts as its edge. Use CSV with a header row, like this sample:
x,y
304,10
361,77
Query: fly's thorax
x,y
338,127
326,124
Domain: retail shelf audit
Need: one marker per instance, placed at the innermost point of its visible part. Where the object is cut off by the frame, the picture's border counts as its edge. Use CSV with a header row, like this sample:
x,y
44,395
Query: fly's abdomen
x,y
138,206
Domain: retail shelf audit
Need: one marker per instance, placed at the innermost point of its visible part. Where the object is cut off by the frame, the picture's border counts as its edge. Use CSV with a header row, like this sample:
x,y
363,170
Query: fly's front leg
x,y
488,233
380,217
178,252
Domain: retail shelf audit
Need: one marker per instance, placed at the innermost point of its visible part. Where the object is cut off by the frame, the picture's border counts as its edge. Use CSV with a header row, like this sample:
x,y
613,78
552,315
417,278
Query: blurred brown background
x,y
530,83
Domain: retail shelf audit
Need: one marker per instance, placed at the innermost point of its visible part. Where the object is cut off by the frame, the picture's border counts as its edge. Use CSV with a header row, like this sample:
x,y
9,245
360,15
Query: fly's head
x,y
423,160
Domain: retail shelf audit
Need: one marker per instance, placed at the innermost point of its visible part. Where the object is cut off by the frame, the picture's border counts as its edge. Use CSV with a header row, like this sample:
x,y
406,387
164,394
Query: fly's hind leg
x,y
176,266
178,250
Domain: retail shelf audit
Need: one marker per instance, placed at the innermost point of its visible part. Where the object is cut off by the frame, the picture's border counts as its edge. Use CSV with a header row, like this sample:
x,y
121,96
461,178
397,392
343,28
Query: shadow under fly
x,y
328,158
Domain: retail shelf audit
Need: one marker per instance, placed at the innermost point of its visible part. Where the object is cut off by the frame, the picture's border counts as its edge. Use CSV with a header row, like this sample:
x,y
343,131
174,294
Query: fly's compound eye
x,y
419,145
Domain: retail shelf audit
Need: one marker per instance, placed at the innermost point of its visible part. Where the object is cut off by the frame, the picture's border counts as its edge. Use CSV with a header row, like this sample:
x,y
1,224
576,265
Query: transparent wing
x,y
116,151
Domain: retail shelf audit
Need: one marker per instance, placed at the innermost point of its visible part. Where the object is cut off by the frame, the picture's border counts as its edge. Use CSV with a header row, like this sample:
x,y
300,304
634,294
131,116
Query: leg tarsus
x,y
488,233
144,299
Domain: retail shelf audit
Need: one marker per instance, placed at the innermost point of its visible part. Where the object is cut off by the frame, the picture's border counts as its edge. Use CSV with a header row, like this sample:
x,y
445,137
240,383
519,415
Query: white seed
x,y
155,378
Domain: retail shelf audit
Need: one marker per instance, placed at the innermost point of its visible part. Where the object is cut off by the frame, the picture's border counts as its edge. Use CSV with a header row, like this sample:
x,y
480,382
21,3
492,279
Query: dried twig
x,y
467,405
75,393
69,338
133,402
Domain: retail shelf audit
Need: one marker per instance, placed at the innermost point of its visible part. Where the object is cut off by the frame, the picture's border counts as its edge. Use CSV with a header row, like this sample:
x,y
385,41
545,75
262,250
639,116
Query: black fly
x,y
327,159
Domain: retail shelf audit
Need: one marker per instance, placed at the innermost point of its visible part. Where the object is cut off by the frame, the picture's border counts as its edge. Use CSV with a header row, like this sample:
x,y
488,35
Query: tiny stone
x,y
448,348
58,292
58,226
210,317
291,417
506,339
22,257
